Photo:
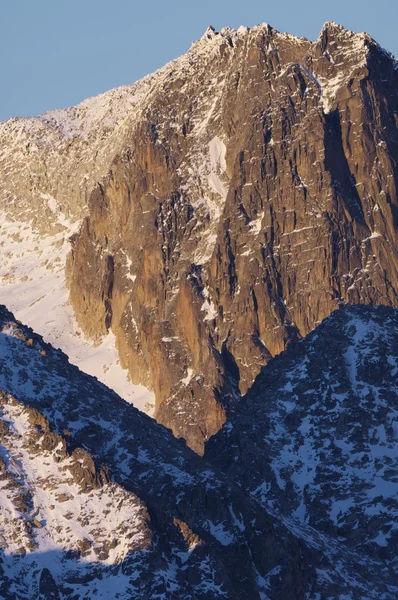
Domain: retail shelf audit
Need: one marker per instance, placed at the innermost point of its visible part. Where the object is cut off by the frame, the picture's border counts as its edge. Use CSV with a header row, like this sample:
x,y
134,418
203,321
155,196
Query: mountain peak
x,y
210,33
333,29
241,194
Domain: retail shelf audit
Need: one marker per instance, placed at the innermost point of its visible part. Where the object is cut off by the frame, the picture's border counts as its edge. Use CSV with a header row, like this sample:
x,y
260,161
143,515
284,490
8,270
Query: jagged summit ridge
x,y
79,133
210,33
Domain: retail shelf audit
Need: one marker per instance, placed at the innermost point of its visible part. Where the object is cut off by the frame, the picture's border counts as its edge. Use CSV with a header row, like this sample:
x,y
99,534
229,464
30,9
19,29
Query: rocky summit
x,y
257,191
215,245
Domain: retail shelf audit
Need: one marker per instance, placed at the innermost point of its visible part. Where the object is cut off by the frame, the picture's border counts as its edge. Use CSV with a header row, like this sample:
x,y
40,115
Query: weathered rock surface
x,y
48,164
240,194
256,192
193,533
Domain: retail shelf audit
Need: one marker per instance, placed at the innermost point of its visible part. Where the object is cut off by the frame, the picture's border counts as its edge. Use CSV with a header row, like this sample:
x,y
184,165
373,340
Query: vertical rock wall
x,y
257,192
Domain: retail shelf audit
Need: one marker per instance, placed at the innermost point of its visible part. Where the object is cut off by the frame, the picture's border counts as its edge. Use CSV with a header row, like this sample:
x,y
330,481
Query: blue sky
x,y
55,53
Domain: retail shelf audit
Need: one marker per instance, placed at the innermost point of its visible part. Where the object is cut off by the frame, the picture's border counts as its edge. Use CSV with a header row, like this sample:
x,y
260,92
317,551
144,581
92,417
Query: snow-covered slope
x,y
32,284
316,437
48,165
52,502
155,521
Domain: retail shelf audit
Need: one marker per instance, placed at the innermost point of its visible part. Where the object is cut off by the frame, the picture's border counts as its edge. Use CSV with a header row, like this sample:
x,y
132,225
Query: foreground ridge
x,y
315,437
169,524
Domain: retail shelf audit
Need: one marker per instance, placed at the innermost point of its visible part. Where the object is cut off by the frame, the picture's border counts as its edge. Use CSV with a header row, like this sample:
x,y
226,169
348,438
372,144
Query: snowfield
x,y
33,286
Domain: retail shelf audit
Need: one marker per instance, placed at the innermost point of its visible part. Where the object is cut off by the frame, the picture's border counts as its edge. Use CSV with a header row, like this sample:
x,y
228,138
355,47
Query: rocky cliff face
x,y
256,191
98,500
240,193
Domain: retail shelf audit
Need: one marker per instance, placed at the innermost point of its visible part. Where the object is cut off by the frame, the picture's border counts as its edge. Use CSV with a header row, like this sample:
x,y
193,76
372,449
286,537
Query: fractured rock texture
x,y
256,192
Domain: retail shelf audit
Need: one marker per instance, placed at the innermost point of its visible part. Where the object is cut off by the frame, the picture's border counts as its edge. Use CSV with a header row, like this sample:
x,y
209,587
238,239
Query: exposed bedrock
x,y
256,193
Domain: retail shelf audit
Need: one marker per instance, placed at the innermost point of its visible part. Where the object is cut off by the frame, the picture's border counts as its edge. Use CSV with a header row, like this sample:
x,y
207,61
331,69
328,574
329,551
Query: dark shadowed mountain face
x,y
315,438
98,498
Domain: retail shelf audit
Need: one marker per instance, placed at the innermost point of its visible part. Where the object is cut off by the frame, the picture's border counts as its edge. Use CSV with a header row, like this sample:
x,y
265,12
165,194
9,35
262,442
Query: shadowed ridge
x,y
314,437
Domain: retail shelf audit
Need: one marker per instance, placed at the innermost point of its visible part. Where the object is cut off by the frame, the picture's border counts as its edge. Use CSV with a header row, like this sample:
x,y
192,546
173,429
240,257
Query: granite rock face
x,y
256,191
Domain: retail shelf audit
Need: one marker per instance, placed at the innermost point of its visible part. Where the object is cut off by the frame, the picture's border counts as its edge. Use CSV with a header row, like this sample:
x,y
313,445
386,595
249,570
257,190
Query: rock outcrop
x,y
52,497
256,192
